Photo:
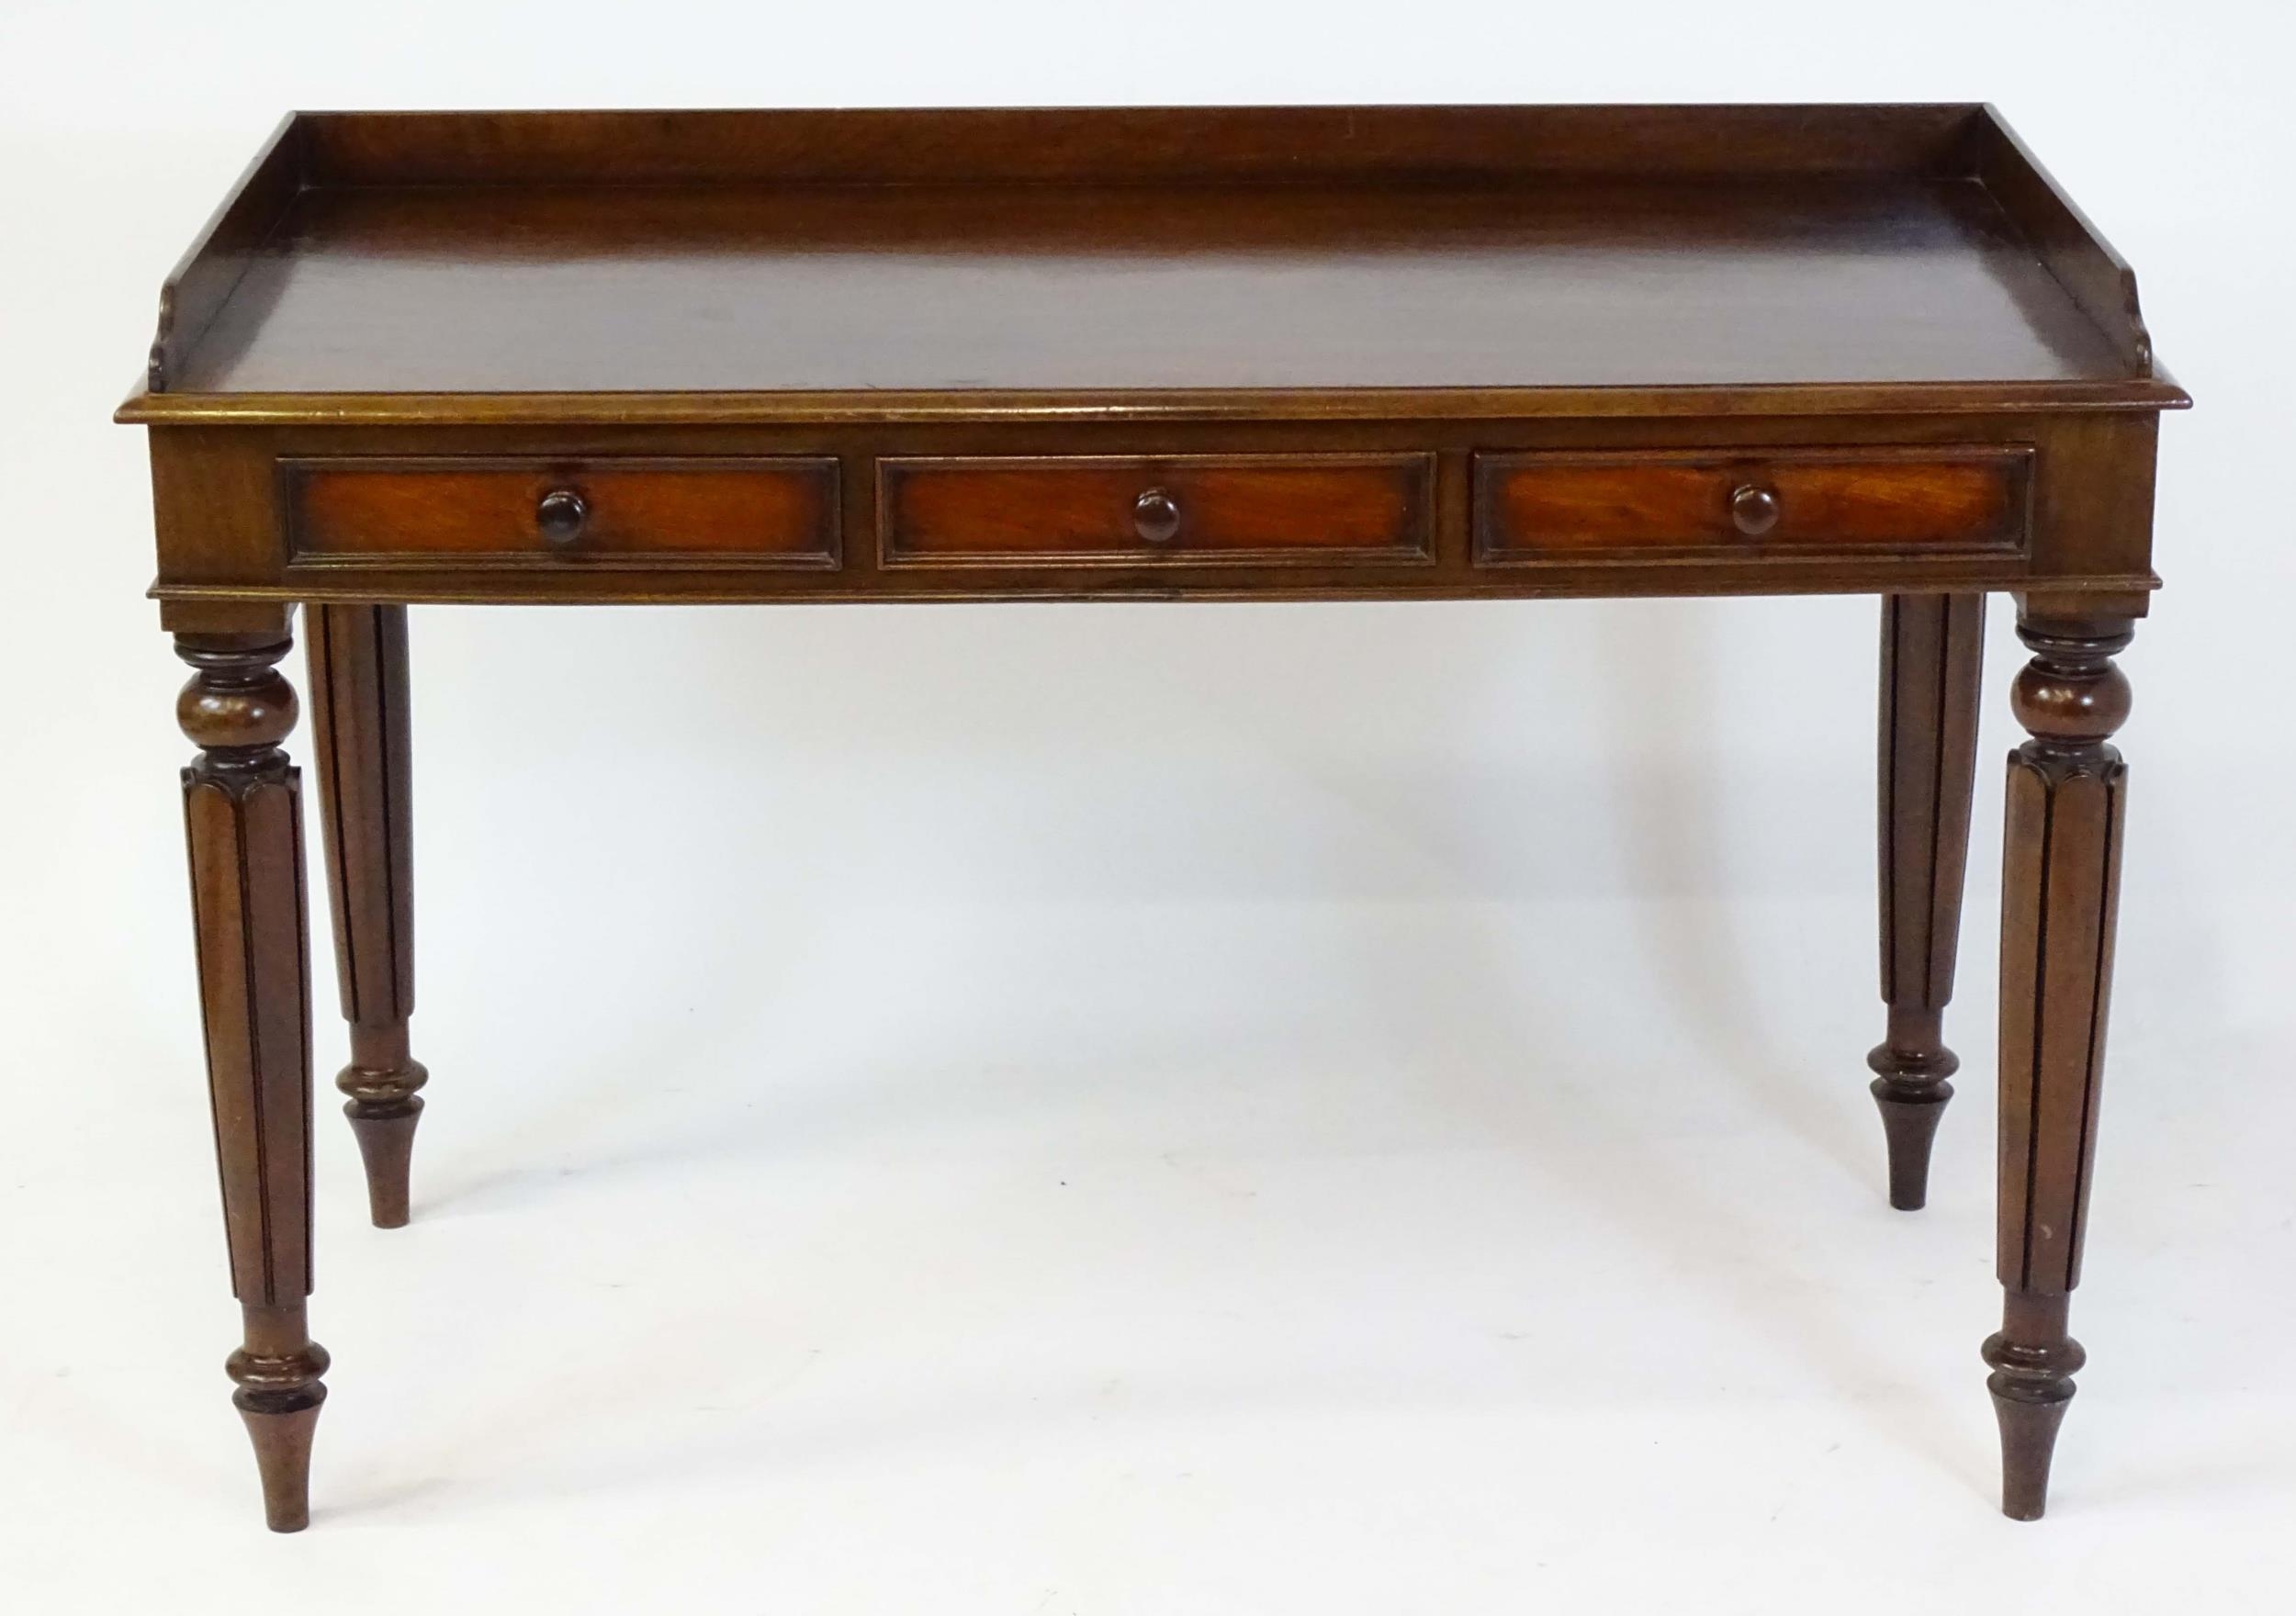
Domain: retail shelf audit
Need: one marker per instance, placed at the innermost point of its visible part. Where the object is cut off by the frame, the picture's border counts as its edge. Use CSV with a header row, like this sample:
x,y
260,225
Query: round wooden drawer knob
x,y
1754,509
560,514
1157,517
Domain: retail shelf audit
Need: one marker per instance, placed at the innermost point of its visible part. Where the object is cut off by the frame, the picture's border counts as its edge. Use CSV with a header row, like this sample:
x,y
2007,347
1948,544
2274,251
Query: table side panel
x,y
2093,496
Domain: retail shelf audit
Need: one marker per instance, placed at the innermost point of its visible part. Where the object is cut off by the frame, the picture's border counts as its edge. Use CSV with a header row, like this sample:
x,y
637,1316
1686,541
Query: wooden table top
x,y
1588,283
1530,260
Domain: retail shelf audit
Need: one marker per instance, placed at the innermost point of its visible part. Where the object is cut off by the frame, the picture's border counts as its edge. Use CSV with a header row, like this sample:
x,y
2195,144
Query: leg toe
x,y
385,1135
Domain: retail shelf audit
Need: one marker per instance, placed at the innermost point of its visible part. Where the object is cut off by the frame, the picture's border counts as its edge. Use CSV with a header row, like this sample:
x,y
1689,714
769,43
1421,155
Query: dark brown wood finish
x,y
1452,285
2089,497
1130,145
234,237
2076,253
863,265
242,813
2060,886
1208,353
363,749
1932,655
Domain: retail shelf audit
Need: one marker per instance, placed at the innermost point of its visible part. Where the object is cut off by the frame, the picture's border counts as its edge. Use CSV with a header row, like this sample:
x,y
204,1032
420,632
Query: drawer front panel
x,y
1308,508
650,511
1537,507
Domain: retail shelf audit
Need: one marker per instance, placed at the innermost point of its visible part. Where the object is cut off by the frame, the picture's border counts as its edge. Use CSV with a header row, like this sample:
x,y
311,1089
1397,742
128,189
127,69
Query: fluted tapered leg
x,y
242,816
359,736
2059,885
1932,646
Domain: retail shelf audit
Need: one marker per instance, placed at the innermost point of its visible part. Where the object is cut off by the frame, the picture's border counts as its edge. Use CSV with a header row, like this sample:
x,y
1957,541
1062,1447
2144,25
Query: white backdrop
x,y
1131,1108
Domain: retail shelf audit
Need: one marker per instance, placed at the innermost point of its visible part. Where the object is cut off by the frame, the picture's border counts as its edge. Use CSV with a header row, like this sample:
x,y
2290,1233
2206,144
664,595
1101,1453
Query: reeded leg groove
x,y
1931,649
359,721
2061,862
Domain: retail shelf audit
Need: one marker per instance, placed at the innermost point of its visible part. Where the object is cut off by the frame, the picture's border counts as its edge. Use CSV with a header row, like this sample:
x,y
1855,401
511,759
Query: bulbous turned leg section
x,y
243,810
2061,865
1932,646
360,736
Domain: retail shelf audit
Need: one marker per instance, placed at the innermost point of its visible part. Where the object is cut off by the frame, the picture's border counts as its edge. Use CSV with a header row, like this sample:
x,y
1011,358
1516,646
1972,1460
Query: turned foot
x,y
1911,1086
382,1099
278,1397
2033,1363
386,1139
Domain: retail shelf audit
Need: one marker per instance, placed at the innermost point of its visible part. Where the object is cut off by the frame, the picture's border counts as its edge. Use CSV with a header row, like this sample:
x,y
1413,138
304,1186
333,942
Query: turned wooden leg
x,y
359,736
2060,879
1932,646
243,816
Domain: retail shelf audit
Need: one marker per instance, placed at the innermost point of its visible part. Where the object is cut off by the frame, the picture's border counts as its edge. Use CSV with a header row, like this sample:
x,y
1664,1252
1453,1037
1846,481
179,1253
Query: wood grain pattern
x,y
480,511
1532,507
1325,508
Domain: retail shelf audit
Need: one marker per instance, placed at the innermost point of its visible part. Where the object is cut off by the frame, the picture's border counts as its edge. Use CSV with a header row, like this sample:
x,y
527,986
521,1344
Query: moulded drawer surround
x,y
778,510
1576,506
1311,508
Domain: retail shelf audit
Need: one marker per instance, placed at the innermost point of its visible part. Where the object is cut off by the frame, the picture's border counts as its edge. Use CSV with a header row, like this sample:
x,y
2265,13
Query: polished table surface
x,y
1063,286
1261,353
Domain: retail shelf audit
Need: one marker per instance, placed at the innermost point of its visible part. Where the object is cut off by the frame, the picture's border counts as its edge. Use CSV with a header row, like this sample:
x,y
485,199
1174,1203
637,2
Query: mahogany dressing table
x,y
1274,355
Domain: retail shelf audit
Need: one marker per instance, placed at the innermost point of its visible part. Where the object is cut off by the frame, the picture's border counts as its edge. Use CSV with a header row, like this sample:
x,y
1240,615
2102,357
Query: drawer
x,y
1568,506
1302,508
450,510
